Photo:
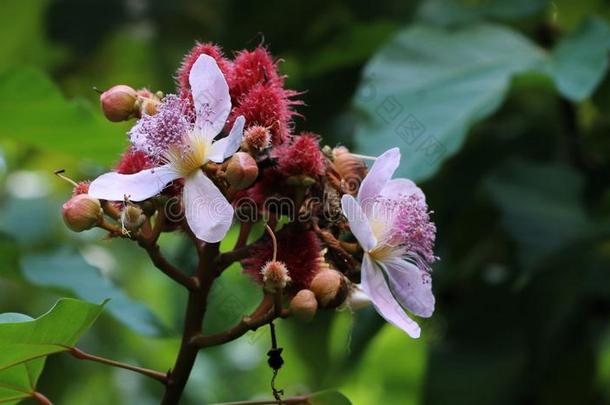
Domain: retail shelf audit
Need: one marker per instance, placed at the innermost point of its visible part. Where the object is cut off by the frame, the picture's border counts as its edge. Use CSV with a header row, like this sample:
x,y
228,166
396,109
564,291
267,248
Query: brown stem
x,y
226,259
154,252
79,354
292,400
193,321
247,324
244,232
41,399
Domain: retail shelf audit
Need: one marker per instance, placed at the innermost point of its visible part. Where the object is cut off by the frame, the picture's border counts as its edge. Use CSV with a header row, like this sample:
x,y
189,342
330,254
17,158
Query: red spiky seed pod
x,y
302,156
133,161
275,275
256,138
251,68
299,250
208,48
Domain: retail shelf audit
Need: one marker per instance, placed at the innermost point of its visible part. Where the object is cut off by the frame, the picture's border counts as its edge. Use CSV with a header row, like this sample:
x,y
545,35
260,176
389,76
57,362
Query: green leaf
x,y
427,86
53,332
453,12
69,272
328,397
580,60
24,343
35,112
541,206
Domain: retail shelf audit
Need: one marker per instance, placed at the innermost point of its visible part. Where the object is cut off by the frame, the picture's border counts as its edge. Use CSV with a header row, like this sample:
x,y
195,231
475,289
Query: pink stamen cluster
x,y
412,229
154,134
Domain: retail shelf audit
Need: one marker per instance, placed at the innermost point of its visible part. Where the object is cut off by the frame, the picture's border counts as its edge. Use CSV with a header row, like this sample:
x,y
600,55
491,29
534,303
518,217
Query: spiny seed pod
x,y
119,103
256,138
241,171
132,218
82,212
330,287
275,275
304,305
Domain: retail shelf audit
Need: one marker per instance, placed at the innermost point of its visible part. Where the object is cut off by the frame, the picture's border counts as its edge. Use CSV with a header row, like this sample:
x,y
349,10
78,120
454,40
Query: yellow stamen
x,y
190,156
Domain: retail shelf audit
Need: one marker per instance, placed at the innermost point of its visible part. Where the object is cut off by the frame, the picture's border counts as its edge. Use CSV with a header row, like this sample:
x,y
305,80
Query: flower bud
x,y
330,287
300,181
275,275
82,212
132,218
242,171
304,305
147,102
257,138
119,103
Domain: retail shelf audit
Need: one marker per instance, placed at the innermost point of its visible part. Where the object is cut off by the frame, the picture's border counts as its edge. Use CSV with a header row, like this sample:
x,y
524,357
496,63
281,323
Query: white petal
x,y
358,222
380,173
210,94
375,286
411,286
208,212
401,188
137,187
227,146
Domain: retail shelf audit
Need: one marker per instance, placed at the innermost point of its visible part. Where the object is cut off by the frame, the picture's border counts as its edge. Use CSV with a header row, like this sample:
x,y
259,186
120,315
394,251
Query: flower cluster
x,y
223,151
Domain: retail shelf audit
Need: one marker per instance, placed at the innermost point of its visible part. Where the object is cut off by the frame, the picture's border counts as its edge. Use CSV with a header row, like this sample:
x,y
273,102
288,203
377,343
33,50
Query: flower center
x,y
190,155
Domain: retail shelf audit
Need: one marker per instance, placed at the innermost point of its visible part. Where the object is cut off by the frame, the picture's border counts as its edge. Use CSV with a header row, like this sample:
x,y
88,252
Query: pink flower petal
x,y
411,286
208,212
137,187
358,222
401,188
380,173
375,286
227,146
210,94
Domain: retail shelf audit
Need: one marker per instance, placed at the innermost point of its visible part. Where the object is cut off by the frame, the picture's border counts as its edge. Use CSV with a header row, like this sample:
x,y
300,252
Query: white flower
x,y
207,211
391,221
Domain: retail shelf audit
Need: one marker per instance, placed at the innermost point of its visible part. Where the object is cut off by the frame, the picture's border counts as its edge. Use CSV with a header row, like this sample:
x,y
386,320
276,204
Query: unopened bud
x,y
300,181
275,275
132,218
257,138
82,212
119,103
304,305
242,170
330,287
147,102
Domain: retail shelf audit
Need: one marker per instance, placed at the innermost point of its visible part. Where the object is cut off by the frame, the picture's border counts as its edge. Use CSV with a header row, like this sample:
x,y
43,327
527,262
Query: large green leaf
x,y
19,382
427,86
53,332
34,111
69,272
453,12
25,342
580,60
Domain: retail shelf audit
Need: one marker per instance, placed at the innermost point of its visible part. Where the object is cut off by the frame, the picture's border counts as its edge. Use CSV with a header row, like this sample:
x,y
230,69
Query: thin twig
x,y
273,240
41,399
264,314
79,354
154,252
292,400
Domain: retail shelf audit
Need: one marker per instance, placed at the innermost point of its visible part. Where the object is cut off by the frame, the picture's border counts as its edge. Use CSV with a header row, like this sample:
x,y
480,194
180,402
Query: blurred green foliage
x,y
501,110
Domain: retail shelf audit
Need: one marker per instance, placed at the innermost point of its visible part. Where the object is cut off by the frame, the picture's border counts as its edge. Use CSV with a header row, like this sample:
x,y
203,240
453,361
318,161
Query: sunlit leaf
x,y
427,86
34,111
22,340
